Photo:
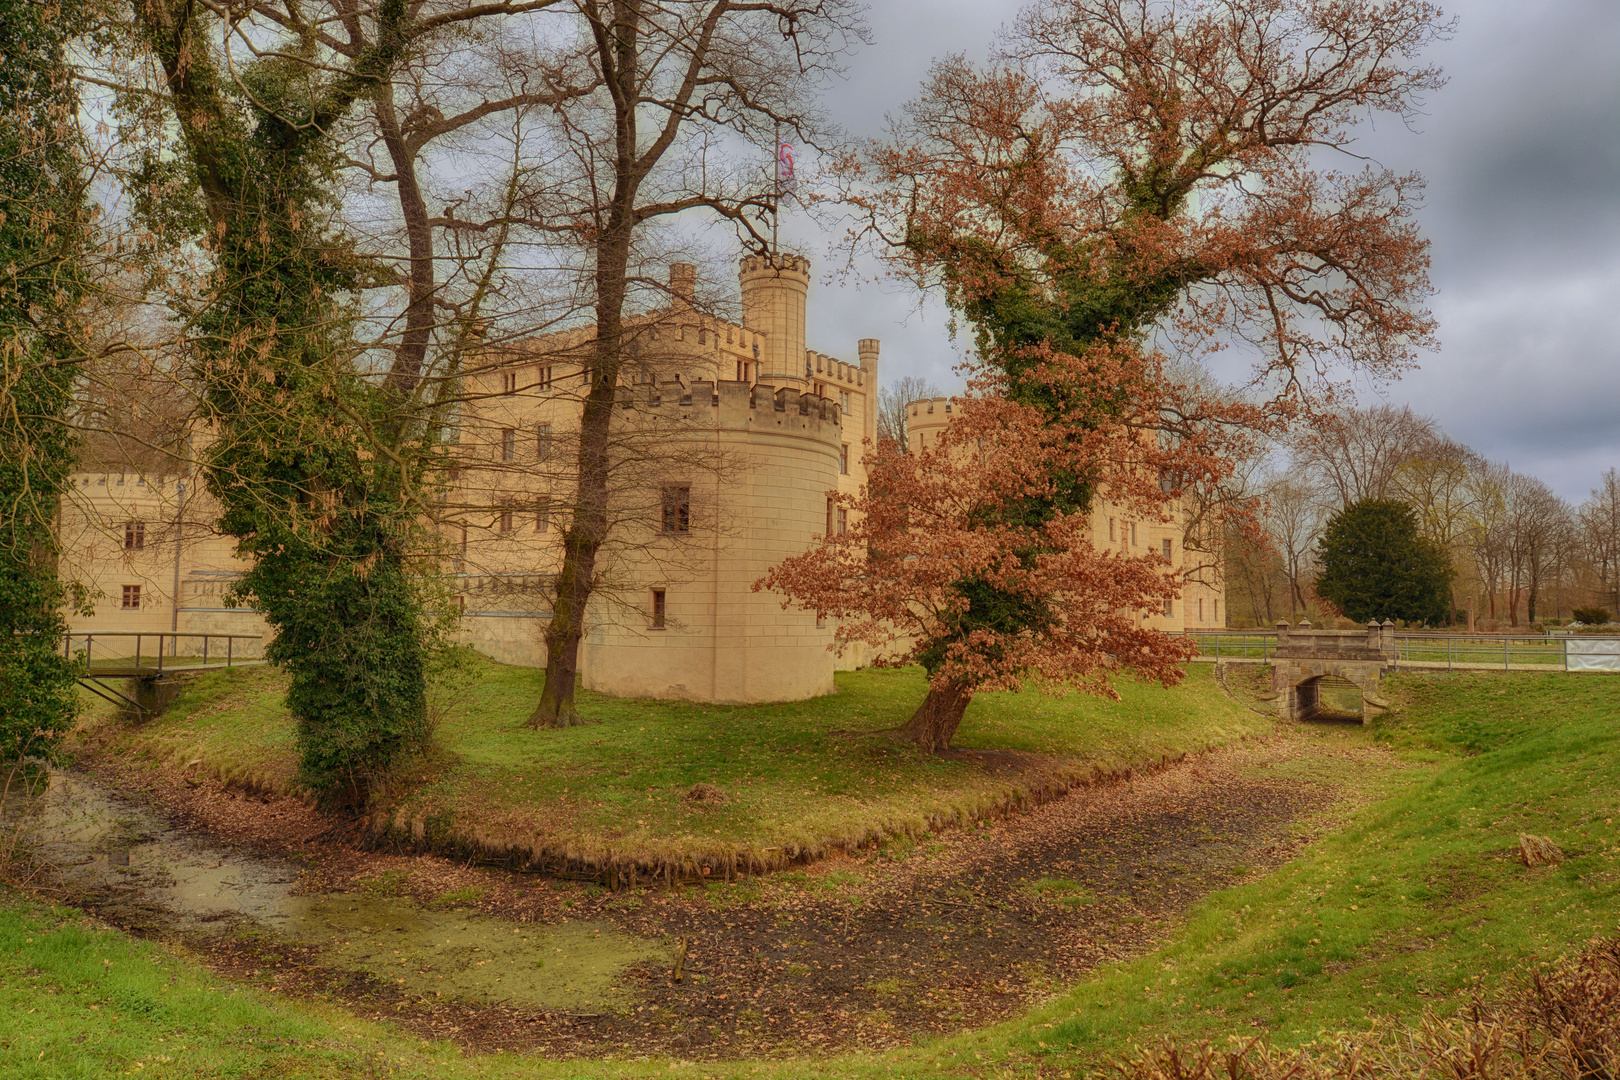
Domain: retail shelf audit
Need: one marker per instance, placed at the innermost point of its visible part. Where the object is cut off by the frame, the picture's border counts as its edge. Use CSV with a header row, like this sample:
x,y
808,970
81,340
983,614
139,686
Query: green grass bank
x,y
1406,907
660,788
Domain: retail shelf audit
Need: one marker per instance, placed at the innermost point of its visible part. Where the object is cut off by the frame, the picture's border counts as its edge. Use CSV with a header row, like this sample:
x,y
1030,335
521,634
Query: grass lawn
x,y
1402,910
784,781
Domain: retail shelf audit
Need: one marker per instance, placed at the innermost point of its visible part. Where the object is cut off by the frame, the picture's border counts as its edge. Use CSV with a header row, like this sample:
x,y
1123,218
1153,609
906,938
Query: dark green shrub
x,y
1591,616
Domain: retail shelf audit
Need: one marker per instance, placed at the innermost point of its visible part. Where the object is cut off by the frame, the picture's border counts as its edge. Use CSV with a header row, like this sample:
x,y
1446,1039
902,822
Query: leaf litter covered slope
x,y
952,932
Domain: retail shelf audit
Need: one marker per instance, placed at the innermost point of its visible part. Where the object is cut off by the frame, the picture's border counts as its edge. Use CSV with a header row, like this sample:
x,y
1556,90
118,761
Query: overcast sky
x,y
1522,156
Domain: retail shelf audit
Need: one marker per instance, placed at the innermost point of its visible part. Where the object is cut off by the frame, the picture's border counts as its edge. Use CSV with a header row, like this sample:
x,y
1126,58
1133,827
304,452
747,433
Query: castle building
x,y
726,441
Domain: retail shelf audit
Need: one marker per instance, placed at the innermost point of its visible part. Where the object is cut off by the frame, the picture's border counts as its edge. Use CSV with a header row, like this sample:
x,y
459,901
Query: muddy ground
x,y
957,931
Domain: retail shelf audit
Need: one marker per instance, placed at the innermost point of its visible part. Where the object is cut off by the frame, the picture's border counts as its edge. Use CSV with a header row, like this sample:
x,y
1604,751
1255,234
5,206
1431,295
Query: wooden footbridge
x,y
147,664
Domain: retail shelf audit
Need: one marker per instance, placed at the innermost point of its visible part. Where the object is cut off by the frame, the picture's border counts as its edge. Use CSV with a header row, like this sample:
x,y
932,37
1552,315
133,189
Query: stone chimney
x,y
683,282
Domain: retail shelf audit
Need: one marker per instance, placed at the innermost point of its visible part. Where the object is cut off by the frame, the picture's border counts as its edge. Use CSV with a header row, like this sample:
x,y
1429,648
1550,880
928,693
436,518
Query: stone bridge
x,y
1305,657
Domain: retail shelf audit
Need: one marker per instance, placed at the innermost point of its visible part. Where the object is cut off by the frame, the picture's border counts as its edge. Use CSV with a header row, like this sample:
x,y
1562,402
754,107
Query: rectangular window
x,y
542,516
657,609
1217,604
1111,531
132,597
1167,551
544,377
506,519
508,444
677,509
829,517
843,459
843,520
508,382
1200,609
843,402
542,447
134,535
1167,609
1133,534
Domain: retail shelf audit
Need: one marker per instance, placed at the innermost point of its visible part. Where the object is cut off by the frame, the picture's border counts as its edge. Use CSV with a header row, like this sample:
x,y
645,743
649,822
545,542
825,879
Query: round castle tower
x,y
774,291
777,455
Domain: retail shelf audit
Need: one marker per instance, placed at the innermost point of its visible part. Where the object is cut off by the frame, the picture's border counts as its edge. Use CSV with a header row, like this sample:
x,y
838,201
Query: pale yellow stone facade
x,y
727,440
1202,601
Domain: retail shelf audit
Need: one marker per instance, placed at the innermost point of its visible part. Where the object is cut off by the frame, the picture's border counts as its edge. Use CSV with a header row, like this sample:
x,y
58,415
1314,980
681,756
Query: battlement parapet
x,y
781,263
739,405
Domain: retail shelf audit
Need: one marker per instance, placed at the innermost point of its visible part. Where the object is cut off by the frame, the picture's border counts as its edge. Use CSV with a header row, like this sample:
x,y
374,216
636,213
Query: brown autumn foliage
x,y
1169,166
1134,180
944,564
1562,1022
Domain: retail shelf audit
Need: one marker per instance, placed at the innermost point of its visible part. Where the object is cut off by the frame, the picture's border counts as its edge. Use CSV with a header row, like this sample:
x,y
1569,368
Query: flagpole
x,y
776,200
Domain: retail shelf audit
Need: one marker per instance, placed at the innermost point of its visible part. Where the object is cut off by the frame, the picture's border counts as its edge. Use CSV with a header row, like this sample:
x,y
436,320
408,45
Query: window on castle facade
x,y
1200,609
506,519
1167,551
134,535
1133,534
132,597
843,459
542,516
1111,531
508,445
843,402
829,517
843,520
542,447
544,379
677,516
658,610
508,382
1167,609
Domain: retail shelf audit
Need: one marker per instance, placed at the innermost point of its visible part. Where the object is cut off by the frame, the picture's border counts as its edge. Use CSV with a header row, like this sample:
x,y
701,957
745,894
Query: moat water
x,y
127,862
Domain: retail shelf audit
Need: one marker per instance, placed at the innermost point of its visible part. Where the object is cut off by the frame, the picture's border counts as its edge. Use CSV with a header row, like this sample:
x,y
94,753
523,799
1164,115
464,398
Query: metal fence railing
x,y
1502,652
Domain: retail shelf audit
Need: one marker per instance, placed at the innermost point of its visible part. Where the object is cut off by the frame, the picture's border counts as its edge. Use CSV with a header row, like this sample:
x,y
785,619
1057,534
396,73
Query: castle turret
x,y
774,289
867,347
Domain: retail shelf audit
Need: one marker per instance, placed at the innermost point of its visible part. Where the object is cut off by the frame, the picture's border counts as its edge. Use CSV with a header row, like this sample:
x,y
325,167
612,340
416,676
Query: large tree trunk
x,y
934,723
587,530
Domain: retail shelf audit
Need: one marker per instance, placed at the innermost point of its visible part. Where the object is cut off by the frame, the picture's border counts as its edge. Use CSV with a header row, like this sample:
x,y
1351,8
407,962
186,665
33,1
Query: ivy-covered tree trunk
x,y
41,220
314,462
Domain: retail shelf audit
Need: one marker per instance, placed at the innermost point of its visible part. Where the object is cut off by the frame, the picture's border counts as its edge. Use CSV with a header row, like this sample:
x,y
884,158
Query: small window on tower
x,y
134,535
132,597
657,609
677,509
829,517
843,459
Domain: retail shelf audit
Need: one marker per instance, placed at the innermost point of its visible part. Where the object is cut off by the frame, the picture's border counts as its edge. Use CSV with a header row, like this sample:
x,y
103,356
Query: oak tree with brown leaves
x,y
1133,179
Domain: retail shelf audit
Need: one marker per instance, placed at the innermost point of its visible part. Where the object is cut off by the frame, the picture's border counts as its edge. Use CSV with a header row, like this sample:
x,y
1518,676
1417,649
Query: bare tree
x,y
1599,518
1356,454
1294,515
892,402
678,81
1436,484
